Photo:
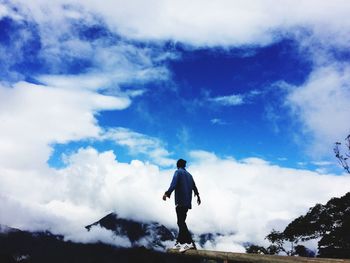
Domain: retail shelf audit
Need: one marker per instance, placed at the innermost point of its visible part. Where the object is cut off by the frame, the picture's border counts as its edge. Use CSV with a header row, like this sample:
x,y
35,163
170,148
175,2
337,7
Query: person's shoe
x,y
177,246
185,247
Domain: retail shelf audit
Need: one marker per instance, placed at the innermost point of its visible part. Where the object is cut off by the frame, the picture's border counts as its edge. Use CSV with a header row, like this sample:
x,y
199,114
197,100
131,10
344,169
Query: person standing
x,y
183,184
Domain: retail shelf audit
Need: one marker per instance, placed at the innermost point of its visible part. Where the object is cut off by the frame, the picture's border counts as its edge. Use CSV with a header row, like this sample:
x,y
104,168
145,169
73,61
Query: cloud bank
x,y
207,23
242,200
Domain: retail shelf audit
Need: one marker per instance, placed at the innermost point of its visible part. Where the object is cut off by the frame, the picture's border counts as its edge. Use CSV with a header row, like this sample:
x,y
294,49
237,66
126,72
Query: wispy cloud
x,y
218,121
282,159
101,58
231,100
139,143
322,163
273,116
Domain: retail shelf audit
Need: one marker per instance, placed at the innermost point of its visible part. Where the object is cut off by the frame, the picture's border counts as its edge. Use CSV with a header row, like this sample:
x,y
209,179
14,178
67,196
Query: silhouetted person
x,y
183,184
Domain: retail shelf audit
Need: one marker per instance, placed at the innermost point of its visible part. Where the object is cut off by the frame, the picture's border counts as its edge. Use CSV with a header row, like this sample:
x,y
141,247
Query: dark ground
x,y
21,246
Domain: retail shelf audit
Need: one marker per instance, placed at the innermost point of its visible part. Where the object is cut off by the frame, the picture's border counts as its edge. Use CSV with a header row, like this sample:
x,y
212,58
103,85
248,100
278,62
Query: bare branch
x,y
343,160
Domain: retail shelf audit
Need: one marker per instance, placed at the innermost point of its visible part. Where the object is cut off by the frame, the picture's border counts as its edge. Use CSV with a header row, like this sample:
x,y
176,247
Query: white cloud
x,y
83,81
3,10
34,116
218,121
322,163
253,196
111,64
8,11
98,234
231,100
207,23
227,243
321,105
140,143
107,82
58,29
243,200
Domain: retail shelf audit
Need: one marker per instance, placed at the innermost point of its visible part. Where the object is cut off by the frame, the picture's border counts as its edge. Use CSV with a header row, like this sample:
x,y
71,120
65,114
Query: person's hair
x,y
181,163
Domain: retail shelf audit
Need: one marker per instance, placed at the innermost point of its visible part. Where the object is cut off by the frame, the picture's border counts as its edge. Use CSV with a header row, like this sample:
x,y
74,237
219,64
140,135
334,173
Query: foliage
x,y
330,223
277,240
254,249
303,251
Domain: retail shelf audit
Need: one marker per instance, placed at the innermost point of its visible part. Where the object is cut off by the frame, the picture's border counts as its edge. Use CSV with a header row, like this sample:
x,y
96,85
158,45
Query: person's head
x,y
181,163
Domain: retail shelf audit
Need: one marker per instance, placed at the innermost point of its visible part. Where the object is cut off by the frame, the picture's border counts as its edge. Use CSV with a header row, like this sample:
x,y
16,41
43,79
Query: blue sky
x,y
258,125
254,90
190,120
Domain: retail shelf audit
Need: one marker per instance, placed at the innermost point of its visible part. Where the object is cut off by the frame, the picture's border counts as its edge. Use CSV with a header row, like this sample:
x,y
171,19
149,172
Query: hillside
x,y
150,235
40,247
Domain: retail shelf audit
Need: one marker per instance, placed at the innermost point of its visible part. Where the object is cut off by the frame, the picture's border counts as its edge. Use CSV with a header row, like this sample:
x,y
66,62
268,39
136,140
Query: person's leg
x,y
181,217
184,234
187,234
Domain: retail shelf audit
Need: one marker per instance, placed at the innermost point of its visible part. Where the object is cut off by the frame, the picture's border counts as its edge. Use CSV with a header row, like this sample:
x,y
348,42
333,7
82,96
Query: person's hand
x,y
164,197
198,200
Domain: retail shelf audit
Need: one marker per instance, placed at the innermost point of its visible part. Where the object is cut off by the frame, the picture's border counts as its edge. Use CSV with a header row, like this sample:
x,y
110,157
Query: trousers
x,y
184,235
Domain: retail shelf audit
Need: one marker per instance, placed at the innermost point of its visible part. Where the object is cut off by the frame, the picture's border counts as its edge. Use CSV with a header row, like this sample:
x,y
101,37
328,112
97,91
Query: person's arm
x,y
195,190
196,193
172,186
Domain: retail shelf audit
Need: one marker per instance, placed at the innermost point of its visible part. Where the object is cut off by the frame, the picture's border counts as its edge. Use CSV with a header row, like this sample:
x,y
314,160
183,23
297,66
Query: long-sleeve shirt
x,y
183,184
